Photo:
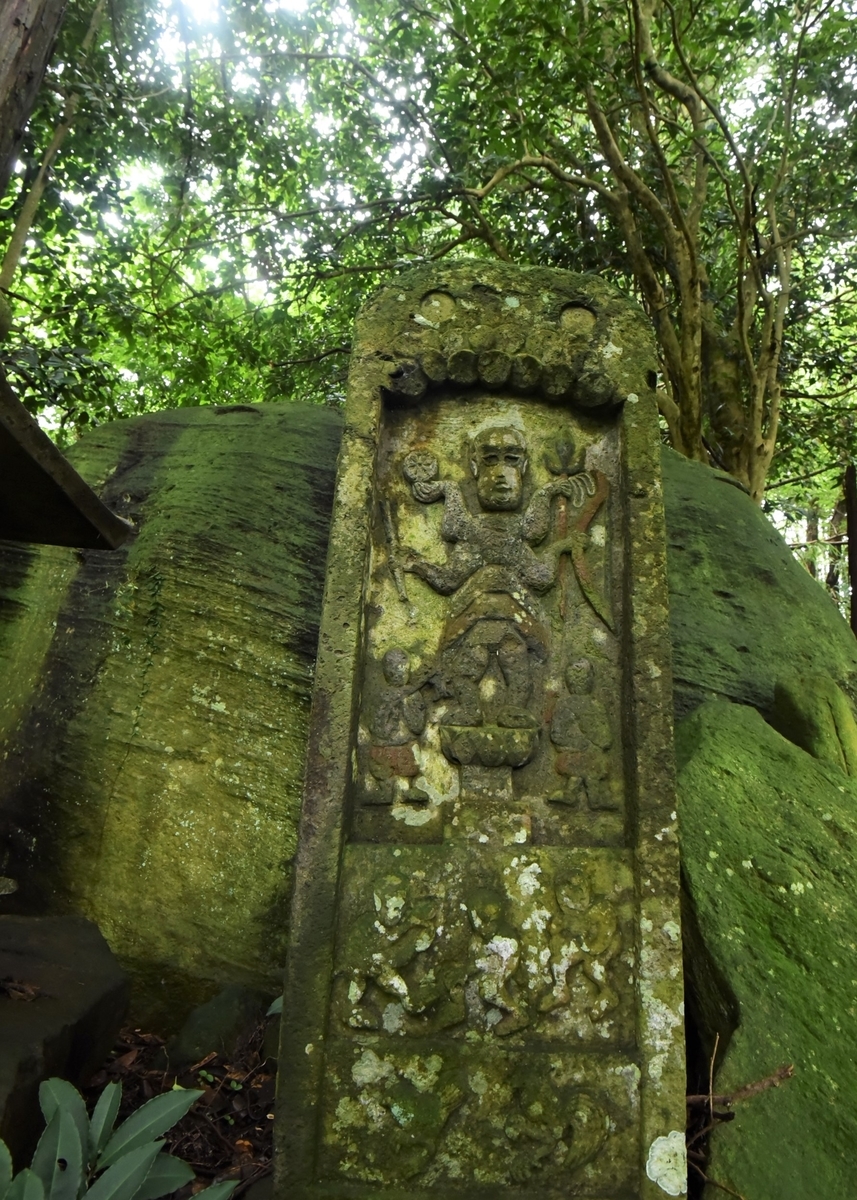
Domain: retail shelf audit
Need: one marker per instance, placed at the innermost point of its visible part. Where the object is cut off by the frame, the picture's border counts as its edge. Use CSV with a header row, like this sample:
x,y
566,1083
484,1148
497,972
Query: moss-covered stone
x,y
100,654
483,988
743,613
155,715
813,712
769,849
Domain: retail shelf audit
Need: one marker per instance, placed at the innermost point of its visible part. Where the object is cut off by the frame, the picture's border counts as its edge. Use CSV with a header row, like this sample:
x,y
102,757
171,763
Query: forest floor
x,y
228,1134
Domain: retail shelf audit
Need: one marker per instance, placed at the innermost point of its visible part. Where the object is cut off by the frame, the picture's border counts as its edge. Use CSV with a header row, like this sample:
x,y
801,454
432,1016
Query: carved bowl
x,y
488,745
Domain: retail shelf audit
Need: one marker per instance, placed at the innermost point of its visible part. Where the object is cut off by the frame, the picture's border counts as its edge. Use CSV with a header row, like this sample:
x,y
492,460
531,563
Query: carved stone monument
x,y
484,991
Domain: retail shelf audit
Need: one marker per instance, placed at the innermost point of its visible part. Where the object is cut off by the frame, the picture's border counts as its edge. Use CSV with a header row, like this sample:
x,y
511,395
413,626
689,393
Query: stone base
x,y
440,1120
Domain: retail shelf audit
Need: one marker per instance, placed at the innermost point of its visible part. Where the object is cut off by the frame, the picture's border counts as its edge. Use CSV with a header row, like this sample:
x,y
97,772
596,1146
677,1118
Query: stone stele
x,y
484,990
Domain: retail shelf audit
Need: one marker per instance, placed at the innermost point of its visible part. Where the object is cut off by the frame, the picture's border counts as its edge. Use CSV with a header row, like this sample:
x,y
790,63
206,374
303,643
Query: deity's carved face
x,y
499,462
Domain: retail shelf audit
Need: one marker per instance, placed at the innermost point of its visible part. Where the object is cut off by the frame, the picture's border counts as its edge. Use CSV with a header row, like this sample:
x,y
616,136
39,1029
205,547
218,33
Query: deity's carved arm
x,y
414,712
456,518
538,572
447,577
537,519
456,529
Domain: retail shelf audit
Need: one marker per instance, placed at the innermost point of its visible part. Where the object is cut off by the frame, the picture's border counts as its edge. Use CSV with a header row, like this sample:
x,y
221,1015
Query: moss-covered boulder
x,y
769,846
155,698
744,614
768,829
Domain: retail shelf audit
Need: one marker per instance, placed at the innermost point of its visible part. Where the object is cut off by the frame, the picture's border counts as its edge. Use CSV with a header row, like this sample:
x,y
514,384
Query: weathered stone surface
x,y
483,989
743,613
67,1030
155,701
744,616
769,849
813,712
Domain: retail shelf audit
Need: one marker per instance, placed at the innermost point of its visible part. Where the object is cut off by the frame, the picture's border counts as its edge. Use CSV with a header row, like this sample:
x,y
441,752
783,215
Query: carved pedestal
x,y
484,993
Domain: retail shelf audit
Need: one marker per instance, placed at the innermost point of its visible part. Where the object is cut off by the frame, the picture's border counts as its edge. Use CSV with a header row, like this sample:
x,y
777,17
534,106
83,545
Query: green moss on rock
x,y
813,712
769,849
743,612
154,747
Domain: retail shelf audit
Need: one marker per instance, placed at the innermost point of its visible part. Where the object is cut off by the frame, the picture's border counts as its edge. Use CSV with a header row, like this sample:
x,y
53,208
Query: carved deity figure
x,y
496,954
405,960
495,634
493,537
585,934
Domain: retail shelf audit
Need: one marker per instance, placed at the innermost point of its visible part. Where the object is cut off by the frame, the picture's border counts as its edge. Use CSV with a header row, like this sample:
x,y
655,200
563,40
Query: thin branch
x,y
809,475
748,1091
722,1186
549,164
313,358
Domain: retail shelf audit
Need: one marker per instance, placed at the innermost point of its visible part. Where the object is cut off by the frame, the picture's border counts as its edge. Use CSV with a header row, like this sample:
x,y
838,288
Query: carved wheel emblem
x,y
420,466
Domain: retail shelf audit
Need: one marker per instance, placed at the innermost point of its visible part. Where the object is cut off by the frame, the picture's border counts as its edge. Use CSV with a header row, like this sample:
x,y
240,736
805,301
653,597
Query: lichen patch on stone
x,y
666,1164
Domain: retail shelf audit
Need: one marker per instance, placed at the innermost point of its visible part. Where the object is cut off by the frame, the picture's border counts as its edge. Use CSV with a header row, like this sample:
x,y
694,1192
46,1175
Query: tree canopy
x,y
232,179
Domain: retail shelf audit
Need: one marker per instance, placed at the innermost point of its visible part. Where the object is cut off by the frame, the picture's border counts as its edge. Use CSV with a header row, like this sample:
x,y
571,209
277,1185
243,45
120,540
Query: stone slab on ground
x,y
769,850
69,1027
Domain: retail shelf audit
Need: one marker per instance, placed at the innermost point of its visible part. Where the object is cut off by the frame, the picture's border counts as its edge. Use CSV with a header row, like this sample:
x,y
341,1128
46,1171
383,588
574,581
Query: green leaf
x,y
124,1179
26,1186
276,1007
103,1116
5,1169
154,1118
58,1160
219,1191
167,1175
59,1094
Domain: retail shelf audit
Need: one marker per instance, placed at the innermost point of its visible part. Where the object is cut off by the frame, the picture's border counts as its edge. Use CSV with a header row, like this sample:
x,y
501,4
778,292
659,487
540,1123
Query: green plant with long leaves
x,y
79,1156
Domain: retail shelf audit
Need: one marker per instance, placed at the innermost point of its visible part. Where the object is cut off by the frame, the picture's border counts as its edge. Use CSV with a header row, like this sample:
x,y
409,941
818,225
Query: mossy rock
x,y
156,702
156,698
769,851
743,613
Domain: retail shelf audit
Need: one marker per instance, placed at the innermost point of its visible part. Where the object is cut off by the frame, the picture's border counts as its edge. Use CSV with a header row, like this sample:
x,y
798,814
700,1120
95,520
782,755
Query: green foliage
x,y
84,1158
236,183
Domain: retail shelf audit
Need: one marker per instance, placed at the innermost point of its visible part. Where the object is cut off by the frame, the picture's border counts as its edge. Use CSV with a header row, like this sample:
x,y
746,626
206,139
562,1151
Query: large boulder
x,y
156,698
769,851
768,825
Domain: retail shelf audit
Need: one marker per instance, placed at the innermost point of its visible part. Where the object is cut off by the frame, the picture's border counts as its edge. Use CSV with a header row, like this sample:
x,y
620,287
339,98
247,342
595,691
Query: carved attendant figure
x,y
398,719
581,733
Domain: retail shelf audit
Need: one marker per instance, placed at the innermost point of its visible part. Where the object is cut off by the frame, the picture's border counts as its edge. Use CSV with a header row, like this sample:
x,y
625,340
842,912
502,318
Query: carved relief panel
x,y
492,654
484,984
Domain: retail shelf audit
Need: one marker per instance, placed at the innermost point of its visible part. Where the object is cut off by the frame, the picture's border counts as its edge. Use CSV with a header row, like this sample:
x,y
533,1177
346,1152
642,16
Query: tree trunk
x,y
28,30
